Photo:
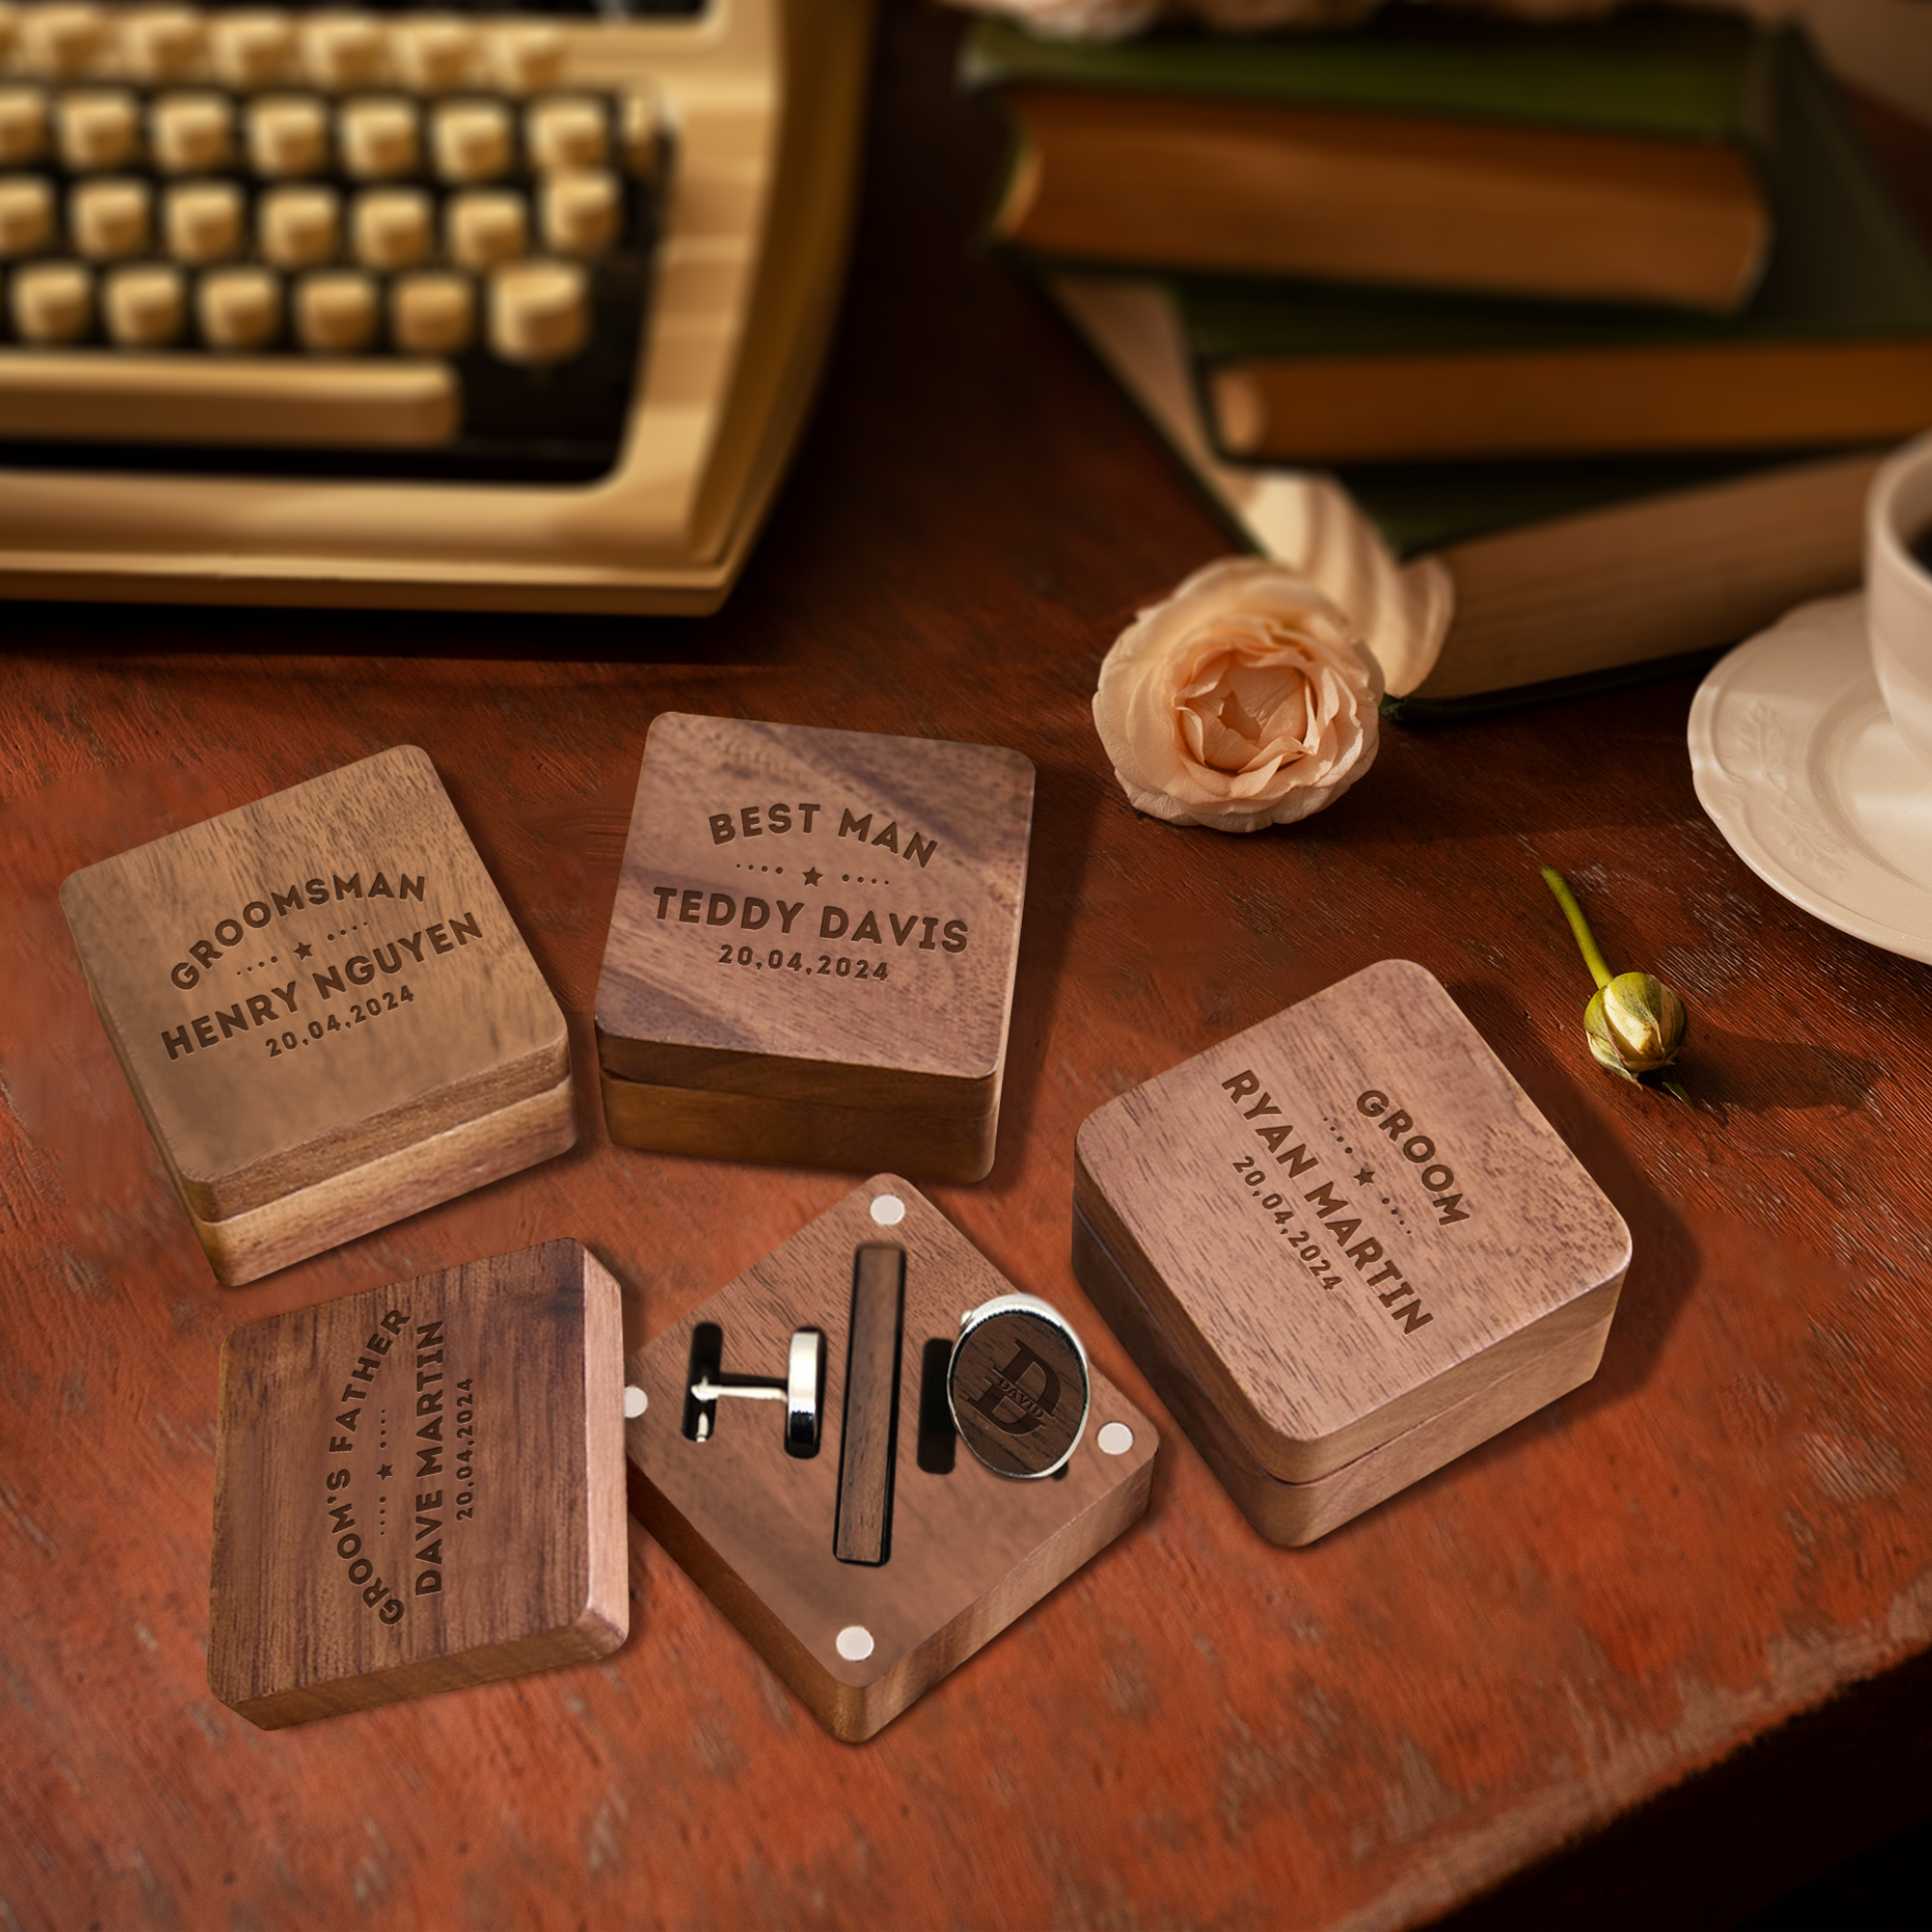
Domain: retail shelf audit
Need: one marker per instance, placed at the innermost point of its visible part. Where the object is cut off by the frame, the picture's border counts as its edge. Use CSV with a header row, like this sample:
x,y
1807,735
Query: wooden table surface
x,y
1729,1525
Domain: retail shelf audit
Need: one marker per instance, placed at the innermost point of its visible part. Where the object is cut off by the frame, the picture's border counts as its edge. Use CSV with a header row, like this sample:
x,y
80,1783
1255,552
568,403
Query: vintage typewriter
x,y
504,307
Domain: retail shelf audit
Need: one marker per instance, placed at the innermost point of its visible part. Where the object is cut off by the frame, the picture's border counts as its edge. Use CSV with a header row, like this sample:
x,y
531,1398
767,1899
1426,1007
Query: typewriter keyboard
x,y
318,243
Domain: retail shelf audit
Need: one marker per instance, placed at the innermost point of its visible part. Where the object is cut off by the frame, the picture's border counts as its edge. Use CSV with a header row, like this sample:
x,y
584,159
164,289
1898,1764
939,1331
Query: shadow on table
x,y
1820,1822
1065,799
106,631
1726,1071
1664,1255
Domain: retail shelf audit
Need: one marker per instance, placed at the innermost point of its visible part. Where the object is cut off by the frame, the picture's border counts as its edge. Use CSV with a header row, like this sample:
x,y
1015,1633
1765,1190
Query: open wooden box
x,y
947,1554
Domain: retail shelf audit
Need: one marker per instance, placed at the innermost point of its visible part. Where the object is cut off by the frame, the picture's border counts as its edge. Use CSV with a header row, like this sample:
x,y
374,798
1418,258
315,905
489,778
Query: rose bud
x,y
1636,1024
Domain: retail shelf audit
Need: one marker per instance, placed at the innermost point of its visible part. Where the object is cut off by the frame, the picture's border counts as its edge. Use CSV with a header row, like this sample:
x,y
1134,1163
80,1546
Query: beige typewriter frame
x,y
765,97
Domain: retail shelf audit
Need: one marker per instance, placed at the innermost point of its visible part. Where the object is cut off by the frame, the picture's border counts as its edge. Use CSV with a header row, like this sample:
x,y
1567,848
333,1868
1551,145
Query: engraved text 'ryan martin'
x,y
1316,1231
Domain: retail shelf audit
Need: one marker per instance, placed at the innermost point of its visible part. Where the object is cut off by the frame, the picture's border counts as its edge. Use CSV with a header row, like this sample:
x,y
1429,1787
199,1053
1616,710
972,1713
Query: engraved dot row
x,y
538,311
371,138
260,46
300,227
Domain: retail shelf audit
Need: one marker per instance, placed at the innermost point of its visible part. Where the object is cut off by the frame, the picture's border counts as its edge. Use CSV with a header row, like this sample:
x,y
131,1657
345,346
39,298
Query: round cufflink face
x,y
1019,1387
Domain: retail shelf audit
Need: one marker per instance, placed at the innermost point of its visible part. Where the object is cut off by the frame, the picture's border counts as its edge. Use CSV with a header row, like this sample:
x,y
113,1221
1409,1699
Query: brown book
x,y
1763,396
1834,347
1254,188
1613,159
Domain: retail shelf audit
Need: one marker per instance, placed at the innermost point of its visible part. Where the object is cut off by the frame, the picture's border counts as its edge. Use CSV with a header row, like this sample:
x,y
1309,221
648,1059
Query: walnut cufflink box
x,y
811,953
420,1488
794,1445
326,1011
1344,1247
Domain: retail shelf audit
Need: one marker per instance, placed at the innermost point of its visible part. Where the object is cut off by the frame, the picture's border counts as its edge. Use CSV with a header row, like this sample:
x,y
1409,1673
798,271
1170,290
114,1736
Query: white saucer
x,y
1800,767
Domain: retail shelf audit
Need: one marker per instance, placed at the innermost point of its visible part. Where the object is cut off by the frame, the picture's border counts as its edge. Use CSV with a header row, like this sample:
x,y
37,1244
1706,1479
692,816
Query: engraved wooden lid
x,y
311,982
1345,1218
420,1488
814,915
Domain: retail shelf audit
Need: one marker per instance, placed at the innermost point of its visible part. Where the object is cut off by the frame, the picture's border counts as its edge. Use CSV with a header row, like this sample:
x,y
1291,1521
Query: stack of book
x,y
1613,319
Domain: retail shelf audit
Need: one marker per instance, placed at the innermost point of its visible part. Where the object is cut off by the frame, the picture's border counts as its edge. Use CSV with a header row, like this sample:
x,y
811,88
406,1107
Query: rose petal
x,y
1243,699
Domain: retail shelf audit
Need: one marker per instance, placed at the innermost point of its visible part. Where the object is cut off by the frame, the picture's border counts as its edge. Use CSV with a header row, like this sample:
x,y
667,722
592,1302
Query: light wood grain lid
x,y
1446,1233
210,950
839,849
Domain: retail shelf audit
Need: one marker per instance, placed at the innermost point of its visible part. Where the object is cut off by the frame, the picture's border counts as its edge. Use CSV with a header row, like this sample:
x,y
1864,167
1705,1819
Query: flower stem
x,y
1586,941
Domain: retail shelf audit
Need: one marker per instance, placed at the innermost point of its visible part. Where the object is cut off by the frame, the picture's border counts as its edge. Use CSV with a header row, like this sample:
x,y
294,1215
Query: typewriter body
x,y
495,308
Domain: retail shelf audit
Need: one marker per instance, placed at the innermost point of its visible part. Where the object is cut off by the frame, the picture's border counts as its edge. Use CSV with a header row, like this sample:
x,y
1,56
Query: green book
x,y
1658,72
1566,577
1607,159
1422,508
1534,548
1834,347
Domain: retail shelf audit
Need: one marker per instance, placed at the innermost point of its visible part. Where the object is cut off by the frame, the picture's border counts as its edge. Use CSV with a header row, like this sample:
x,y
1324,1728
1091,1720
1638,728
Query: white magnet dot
x,y
887,1211
1115,1438
636,1401
854,1643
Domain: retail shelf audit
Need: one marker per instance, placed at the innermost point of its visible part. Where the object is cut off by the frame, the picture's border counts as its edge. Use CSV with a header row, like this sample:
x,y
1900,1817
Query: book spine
x,y
1424,712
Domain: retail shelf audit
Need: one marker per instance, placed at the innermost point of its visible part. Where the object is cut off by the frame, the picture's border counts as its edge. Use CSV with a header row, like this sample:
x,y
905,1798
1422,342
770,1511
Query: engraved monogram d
x,y
1006,1386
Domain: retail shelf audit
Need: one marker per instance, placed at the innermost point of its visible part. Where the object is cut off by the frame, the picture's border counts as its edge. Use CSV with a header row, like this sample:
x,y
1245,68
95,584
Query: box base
x,y
1295,1514
969,1553
799,1133
242,1248
853,1711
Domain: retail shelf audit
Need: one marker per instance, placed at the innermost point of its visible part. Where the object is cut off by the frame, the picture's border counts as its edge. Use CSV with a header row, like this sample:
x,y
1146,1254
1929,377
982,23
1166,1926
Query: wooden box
x,y
420,1488
1344,1247
326,1011
811,953
956,1552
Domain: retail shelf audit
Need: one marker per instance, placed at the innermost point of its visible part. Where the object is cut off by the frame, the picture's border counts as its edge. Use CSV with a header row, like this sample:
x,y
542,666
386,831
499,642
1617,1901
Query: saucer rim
x,y
1725,796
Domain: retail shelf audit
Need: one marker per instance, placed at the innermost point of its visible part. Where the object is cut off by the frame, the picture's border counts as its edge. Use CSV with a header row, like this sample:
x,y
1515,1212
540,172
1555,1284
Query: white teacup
x,y
1898,591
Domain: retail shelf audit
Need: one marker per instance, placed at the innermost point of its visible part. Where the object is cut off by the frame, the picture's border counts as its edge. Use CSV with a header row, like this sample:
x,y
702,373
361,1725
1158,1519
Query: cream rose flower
x,y
1121,19
1245,699
1075,20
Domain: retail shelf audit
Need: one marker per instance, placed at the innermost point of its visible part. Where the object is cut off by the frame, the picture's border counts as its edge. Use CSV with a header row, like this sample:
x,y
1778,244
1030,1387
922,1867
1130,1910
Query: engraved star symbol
x,y
304,949
812,877
382,1474
1365,1175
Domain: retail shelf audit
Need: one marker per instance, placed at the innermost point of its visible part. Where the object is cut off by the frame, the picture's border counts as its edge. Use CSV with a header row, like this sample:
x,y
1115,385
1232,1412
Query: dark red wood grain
x,y
1726,1528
